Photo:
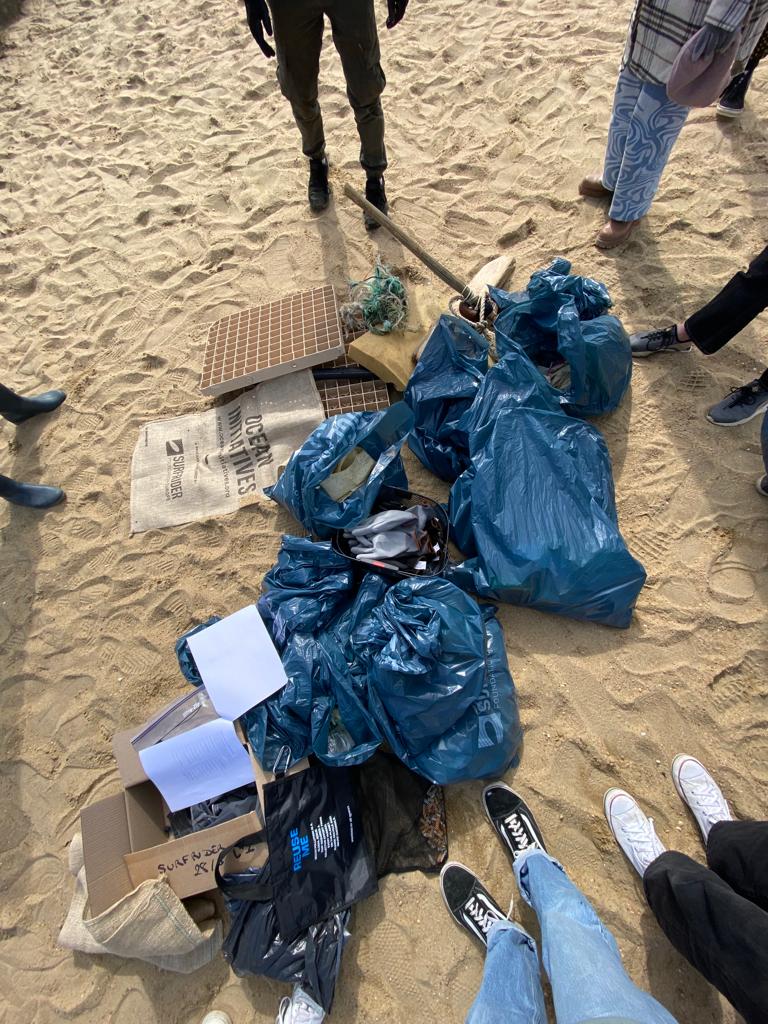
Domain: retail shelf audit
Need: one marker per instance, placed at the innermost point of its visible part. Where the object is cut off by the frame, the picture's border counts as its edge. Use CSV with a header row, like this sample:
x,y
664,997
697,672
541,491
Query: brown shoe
x,y
593,187
615,232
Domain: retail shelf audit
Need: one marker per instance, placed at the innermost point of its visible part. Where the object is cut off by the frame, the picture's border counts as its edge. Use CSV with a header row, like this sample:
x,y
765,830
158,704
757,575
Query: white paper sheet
x,y
238,662
198,765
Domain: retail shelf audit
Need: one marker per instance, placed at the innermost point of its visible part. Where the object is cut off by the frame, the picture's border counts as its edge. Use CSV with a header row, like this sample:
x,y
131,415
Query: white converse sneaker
x,y
217,1017
699,790
299,1009
632,830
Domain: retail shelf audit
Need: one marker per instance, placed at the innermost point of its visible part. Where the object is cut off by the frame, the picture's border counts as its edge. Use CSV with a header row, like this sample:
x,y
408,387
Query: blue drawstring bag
x,y
562,315
442,387
535,511
379,435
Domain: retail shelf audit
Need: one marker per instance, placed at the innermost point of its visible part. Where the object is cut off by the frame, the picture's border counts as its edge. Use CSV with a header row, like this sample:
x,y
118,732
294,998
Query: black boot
x,y
318,190
17,408
731,103
29,495
375,194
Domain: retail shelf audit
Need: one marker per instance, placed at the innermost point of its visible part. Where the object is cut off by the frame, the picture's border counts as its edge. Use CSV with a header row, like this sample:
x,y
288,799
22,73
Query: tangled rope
x,y
378,304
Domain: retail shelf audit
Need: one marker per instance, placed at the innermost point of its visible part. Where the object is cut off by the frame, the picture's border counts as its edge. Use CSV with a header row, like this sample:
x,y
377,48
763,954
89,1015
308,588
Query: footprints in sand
x,y
735,570
741,683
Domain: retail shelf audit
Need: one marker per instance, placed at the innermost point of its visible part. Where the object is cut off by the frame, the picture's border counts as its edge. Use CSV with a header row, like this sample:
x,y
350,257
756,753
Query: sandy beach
x,y
152,182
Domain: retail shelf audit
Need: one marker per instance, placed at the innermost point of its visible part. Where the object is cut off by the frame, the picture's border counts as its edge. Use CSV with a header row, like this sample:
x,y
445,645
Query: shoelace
x,y
638,833
747,394
484,918
518,831
662,338
710,802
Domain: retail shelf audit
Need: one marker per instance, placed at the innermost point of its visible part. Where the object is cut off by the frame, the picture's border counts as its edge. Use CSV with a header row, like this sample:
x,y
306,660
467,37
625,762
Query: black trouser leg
x,y
743,298
738,852
723,935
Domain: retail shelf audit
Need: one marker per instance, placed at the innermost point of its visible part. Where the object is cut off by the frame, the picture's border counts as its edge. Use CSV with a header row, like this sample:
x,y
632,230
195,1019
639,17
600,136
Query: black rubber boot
x,y
731,103
16,408
375,194
29,495
318,190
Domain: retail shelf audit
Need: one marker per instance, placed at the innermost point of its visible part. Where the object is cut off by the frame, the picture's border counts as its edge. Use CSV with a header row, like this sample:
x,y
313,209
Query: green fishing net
x,y
377,304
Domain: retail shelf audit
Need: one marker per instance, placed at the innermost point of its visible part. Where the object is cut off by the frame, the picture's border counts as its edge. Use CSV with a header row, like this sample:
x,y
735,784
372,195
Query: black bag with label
x,y
319,858
287,918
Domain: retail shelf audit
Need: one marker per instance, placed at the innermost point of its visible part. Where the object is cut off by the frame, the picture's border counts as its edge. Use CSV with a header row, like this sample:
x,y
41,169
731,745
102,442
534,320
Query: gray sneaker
x,y
665,339
740,405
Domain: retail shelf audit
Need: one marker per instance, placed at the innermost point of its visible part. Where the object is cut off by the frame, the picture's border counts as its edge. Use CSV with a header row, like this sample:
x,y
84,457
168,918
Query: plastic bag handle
x,y
259,892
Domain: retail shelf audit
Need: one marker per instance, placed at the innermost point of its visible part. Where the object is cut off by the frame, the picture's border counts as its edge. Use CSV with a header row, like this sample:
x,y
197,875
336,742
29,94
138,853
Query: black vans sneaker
x,y
470,903
318,190
375,194
512,819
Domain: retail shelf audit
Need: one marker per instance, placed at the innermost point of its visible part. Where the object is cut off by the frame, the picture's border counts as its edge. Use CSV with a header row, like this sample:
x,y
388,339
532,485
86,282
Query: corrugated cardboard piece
x,y
125,839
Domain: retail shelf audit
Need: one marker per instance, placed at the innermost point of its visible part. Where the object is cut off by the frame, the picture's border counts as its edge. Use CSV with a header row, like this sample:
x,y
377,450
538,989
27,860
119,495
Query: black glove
x,y
257,13
396,10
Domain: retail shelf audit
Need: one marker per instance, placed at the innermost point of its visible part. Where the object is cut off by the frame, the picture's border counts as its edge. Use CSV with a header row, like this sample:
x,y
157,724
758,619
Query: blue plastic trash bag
x,y
486,740
307,593
562,314
442,387
305,590
438,682
186,661
380,435
535,510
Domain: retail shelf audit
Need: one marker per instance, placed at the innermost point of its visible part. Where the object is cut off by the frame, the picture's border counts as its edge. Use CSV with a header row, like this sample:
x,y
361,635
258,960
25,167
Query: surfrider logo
x,y
299,849
175,452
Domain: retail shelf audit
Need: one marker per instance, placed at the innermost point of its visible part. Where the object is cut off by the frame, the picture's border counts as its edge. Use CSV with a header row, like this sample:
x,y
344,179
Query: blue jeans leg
x,y
511,989
580,955
764,441
625,99
644,128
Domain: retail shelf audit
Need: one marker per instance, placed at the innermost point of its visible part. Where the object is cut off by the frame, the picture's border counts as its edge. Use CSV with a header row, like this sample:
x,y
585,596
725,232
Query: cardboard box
x,y
125,841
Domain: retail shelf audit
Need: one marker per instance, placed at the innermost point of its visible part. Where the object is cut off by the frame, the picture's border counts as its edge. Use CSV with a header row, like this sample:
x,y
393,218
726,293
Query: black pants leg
x,y
743,298
718,930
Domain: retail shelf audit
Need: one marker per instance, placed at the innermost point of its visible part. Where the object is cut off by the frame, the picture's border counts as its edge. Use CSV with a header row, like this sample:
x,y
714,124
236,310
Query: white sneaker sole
x,y
728,112
759,486
759,412
662,351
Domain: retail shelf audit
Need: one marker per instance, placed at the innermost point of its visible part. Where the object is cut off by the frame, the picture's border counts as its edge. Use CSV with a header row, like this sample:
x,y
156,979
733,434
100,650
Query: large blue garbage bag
x,y
438,682
187,663
418,663
563,313
535,511
305,591
381,435
442,387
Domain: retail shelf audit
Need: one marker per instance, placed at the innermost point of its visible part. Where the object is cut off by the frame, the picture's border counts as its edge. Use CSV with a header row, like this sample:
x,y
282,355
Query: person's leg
x,y
654,126
737,851
722,934
298,28
18,408
736,305
29,495
628,88
355,36
580,955
511,989
762,482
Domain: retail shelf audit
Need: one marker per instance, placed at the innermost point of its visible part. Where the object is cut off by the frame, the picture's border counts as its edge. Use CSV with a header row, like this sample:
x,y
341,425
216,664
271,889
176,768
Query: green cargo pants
x,y
298,27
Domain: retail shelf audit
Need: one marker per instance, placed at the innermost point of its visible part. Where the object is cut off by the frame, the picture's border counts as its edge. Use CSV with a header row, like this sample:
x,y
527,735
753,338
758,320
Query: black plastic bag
x,y
320,862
